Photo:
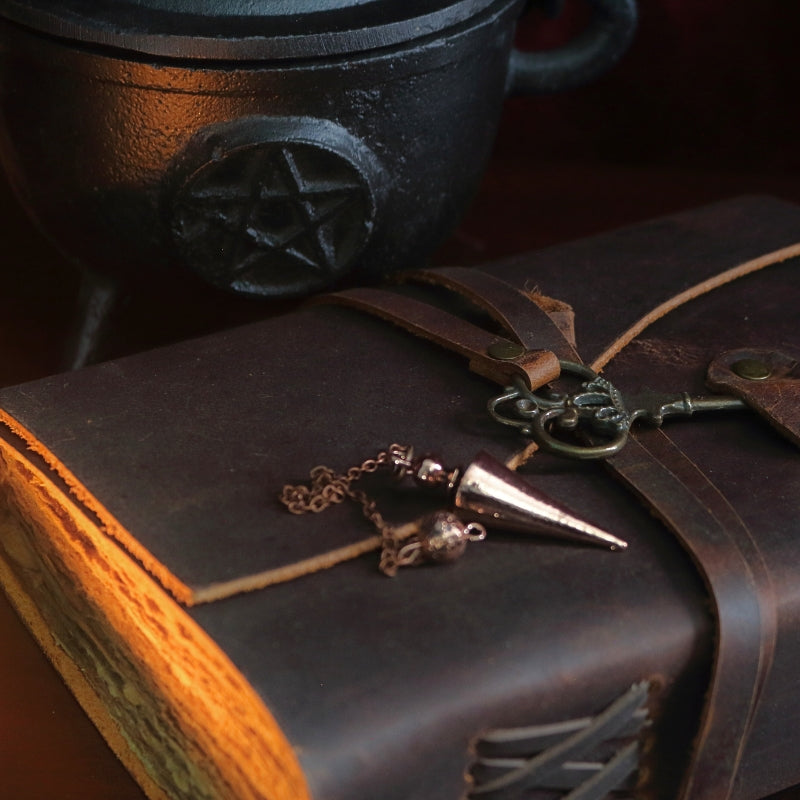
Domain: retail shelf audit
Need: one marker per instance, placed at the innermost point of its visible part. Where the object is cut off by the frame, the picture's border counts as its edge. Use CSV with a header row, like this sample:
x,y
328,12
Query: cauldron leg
x,y
118,315
98,299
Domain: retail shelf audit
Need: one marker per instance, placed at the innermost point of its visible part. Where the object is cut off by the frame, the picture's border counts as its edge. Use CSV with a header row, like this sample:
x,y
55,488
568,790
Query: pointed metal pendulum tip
x,y
491,493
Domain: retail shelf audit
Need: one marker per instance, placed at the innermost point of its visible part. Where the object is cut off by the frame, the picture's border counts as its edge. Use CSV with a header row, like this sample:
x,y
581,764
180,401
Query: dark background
x,y
703,107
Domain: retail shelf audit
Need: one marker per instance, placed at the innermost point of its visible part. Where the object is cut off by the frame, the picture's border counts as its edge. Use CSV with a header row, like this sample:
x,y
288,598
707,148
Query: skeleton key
x,y
599,409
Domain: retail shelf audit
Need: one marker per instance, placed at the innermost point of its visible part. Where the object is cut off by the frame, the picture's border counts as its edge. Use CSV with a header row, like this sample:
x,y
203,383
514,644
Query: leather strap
x,y
532,319
741,592
535,367
767,380
714,535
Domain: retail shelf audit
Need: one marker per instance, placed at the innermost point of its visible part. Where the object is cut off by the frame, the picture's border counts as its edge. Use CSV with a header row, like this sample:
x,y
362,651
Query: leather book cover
x,y
224,652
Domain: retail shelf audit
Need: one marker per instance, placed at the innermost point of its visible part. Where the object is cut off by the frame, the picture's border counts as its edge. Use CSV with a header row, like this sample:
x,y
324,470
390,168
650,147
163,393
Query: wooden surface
x,y
703,108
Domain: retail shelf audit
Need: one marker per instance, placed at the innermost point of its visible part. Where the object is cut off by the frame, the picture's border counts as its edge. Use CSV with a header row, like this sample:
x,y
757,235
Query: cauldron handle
x,y
589,54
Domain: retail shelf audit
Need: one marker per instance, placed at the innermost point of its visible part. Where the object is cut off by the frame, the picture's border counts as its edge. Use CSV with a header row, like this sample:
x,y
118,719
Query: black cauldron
x,y
273,148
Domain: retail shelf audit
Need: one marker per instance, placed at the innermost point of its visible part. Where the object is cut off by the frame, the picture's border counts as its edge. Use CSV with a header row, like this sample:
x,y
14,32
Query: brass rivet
x,y
751,369
505,351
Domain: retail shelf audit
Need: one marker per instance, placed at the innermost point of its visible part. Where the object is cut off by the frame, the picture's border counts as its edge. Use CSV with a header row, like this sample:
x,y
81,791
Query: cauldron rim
x,y
239,30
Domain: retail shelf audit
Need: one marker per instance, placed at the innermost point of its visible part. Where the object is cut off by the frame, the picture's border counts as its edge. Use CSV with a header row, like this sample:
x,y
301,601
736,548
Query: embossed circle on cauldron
x,y
273,207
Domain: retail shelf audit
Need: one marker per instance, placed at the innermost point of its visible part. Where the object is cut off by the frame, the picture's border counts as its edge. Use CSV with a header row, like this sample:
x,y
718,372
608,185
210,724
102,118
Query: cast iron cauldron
x,y
274,148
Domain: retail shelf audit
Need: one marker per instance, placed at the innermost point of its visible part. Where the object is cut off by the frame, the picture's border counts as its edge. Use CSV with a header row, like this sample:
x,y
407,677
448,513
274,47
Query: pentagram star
x,y
272,199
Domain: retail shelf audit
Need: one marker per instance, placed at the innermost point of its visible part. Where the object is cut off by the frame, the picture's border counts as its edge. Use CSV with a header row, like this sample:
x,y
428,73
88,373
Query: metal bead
x,y
429,471
444,537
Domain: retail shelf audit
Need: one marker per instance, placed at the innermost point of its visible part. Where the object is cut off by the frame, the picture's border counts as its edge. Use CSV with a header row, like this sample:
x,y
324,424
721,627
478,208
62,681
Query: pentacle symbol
x,y
273,218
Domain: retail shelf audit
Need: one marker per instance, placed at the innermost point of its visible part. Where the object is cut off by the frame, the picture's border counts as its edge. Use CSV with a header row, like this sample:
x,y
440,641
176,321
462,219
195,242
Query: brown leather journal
x,y
227,648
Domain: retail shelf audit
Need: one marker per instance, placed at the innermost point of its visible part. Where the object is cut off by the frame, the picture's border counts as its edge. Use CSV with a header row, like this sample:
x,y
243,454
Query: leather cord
x,y
564,756
693,292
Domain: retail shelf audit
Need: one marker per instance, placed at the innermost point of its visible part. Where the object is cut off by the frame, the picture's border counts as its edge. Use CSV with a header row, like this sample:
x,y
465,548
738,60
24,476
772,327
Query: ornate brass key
x,y
598,409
